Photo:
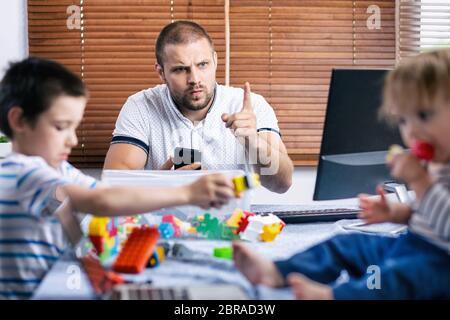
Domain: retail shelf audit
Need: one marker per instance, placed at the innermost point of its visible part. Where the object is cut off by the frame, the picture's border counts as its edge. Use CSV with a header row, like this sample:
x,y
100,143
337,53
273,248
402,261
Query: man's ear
x,y
15,120
160,71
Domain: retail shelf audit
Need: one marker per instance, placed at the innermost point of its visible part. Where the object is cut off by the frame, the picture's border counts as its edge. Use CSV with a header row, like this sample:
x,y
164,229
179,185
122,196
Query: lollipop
x,y
423,150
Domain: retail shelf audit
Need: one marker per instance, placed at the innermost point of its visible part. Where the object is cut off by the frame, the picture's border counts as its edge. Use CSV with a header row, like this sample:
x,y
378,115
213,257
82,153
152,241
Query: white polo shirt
x,y
150,120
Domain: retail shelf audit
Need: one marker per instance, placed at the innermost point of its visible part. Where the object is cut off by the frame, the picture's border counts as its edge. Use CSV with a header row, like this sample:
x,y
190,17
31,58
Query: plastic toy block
x,y
137,250
250,234
229,233
97,242
237,215
223,253
244,221
242,183
166,230
102,280
157,257
210,227
269,219
270,232
98,226
423,150
174,222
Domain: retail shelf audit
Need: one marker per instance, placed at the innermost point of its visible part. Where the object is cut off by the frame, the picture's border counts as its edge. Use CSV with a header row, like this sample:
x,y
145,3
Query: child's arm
x,y
379,210
435,209
211,190
434,199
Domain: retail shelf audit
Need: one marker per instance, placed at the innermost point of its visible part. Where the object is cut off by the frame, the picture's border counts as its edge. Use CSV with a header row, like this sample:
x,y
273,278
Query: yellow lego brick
x,y
97,226
242,183
192,230
235,218
270,232
161,254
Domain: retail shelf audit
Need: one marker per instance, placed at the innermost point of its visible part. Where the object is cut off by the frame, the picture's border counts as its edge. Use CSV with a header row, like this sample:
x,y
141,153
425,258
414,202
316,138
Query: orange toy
x,y
137,250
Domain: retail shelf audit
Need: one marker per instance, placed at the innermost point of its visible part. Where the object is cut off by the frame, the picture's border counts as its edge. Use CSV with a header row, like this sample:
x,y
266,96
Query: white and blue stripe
x,y
432,218
31,239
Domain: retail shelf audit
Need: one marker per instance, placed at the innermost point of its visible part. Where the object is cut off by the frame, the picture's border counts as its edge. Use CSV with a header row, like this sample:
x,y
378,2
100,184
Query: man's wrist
x,y
261,151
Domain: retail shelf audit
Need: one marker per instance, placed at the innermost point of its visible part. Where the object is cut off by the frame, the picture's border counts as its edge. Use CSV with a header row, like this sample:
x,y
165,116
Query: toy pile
x,y
117,236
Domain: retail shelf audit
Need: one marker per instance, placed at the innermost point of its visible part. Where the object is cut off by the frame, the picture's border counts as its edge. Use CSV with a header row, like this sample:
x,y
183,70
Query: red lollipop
x,y
423,150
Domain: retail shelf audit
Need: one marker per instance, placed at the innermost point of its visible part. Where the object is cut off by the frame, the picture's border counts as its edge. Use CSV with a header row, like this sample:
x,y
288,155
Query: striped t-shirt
x,y
31,239
432,217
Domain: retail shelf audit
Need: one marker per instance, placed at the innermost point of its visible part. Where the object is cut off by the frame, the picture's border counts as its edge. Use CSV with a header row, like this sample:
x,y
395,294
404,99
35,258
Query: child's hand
x,y
375,210
407,168
212,190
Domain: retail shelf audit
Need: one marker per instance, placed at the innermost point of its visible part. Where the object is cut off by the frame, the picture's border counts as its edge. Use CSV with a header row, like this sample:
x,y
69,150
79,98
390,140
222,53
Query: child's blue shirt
x,y
31,239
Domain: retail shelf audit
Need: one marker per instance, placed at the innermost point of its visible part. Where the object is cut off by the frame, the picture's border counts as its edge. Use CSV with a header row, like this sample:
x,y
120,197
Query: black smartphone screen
x,y
185,156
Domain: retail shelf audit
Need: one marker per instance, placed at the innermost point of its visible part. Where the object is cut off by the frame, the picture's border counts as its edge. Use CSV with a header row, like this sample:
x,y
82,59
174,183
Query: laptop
x,y
109,285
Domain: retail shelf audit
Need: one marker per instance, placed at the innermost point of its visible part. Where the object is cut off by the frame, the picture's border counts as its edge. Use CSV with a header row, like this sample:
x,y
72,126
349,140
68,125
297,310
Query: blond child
x,y
415,265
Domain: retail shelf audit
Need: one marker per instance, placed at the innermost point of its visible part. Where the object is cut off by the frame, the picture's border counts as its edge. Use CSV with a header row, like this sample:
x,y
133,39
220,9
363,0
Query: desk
x,y
294,238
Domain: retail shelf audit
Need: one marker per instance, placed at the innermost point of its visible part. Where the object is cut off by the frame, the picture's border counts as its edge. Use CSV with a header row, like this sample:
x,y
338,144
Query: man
x,y
230,126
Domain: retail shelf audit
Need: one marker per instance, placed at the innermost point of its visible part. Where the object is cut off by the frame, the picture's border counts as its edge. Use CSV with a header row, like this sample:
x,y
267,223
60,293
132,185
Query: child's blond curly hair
x,y
418,83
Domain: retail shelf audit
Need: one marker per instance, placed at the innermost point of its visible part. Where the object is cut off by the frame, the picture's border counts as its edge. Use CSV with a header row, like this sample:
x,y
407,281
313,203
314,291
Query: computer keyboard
x,y
148,292
307,214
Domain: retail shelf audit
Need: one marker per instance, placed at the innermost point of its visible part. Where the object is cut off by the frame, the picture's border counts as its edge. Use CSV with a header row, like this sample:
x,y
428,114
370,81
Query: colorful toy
x,y
245,182
166,230
102,232
102,280
244,221
175,222
233,221
223,253
157,257
264,227
228,232
210,227
137,250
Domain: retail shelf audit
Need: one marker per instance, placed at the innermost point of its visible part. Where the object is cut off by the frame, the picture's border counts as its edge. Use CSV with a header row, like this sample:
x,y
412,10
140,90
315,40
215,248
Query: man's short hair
x,y
33,84
179,32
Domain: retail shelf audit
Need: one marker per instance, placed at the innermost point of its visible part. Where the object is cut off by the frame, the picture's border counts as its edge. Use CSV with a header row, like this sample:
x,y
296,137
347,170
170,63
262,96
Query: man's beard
x,y
186,102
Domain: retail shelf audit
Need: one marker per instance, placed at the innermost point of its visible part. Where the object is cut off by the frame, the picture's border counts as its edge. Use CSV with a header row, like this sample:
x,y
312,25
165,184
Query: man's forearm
x,y
274,167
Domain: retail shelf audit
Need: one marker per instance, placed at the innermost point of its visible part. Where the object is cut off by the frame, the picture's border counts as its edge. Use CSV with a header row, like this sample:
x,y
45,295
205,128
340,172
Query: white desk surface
x,y
294,238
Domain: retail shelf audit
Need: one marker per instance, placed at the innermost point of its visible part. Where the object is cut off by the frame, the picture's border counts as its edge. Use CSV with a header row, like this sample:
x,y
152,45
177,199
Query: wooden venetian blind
x,y
113,51
422,25
49,36
285,48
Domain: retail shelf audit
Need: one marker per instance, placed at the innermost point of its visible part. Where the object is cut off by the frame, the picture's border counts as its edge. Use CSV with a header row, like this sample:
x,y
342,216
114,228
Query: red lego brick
x,y
244,221
137,250
97,242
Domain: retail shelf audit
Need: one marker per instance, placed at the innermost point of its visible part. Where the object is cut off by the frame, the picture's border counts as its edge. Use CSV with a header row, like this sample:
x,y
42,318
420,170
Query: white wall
x,y
13,32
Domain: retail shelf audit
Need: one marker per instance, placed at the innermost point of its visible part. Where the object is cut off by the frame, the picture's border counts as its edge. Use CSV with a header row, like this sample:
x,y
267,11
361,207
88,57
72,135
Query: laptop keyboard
x,y
307,214
147,292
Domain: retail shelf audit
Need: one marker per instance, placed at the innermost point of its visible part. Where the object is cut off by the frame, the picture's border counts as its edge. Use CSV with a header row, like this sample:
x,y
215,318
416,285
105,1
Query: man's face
x,y
190,73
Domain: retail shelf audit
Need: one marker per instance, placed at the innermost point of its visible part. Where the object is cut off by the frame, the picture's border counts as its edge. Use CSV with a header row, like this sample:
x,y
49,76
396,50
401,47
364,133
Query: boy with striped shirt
x,y
41,105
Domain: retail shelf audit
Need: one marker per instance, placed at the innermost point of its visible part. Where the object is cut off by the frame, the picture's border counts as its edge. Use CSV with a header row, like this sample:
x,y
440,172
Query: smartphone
x,y
185,156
